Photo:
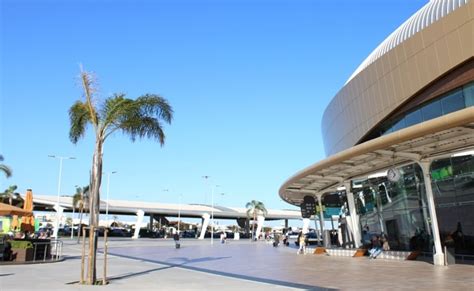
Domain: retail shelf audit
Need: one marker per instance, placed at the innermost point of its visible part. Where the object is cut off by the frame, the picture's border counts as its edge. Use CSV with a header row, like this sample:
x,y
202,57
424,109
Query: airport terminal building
x,y
399,139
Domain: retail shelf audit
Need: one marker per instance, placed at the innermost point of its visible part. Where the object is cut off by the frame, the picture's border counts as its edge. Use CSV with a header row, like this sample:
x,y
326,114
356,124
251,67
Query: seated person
x,y
376,247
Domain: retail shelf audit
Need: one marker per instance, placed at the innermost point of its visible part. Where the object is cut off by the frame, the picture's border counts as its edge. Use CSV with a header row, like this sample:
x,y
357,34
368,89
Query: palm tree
x,y
10,194
255,208
4,168
137,118
80,200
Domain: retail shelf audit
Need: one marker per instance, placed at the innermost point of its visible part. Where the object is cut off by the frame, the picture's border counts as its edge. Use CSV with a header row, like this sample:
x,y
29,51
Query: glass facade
x,y
400,210
455,100
453,190
397,209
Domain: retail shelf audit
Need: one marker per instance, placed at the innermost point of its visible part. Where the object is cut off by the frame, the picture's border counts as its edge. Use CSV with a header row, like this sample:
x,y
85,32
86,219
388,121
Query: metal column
x,y
438,257
321,219
353,213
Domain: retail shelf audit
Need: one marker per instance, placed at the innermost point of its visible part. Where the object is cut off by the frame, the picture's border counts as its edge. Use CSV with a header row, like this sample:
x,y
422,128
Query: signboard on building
x,y
308,207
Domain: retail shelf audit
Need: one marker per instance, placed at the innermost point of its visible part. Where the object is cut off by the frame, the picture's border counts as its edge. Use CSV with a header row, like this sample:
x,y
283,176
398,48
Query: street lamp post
x,y
179,211
108,189
61,158
212,213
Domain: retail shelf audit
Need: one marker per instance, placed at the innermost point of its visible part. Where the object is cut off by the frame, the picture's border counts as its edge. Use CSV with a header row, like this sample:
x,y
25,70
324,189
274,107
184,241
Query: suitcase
x,y
178,245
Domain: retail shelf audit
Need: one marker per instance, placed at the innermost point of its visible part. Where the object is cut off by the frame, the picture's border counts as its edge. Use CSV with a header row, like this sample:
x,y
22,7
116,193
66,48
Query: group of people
x,y
378,244
17,234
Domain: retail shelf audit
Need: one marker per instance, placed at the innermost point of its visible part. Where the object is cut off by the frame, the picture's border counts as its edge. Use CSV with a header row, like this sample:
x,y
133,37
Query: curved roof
x,y
430,13
426,140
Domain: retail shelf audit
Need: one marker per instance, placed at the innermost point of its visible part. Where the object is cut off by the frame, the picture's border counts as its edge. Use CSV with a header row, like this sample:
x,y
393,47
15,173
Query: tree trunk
x,y
94,203
253,227
79,229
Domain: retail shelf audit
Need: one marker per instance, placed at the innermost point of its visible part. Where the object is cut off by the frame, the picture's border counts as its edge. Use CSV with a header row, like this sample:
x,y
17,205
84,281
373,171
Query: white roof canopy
x,y
434,138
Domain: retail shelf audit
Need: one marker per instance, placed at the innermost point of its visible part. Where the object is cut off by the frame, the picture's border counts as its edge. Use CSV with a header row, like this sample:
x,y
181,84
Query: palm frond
x,y
6,170
139,118
89,84
113,107
79,116
155,105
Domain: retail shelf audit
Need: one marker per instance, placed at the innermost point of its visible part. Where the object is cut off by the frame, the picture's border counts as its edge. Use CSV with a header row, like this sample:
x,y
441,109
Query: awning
x,y
427,140
6,209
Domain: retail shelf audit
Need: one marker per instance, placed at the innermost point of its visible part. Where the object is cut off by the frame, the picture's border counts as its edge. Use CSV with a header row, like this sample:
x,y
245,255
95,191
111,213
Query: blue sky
x,y
248,80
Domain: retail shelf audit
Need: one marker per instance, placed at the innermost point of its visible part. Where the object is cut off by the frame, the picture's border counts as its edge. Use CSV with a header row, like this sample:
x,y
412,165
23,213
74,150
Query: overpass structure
x,y
159,210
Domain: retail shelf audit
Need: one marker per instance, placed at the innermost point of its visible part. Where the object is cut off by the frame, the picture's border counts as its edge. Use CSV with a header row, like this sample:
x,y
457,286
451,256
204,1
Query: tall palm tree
x,y
137,118
255,208
80,200
4,168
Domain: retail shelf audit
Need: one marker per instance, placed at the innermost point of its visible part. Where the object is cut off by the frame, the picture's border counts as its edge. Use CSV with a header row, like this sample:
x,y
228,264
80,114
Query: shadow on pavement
x,y
215,272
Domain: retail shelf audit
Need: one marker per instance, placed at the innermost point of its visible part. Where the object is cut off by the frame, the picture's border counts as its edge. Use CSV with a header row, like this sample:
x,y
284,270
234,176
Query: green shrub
x,y
21,244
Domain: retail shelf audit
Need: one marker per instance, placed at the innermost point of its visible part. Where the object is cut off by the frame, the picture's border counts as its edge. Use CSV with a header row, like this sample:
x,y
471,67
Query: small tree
x,y
255,208
137,118
81,200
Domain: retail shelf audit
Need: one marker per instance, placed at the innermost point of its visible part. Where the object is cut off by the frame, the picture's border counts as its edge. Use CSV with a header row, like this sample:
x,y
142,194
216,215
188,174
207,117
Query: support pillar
x,y
140,214
286,224
305,225
321,219
316,227
59,215
438,256
205,224
150,227
260,220
354,218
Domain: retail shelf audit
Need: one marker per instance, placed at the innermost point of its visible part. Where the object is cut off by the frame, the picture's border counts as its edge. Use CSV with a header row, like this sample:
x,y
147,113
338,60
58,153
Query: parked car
x,y
119,232
188,234
148,233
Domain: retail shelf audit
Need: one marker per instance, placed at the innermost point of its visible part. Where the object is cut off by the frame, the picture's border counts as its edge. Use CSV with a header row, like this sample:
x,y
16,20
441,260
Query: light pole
x,y
61,158
108,189
179,211
212,213
222,198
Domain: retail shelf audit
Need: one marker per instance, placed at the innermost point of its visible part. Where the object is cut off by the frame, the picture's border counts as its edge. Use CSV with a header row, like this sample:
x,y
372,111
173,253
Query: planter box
x,y
22,255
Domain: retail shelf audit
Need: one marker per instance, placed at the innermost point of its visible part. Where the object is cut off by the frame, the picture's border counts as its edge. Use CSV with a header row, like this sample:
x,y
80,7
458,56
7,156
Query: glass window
x,y
463,165
432,110
453,102
468,92
413,118
465,189
398,125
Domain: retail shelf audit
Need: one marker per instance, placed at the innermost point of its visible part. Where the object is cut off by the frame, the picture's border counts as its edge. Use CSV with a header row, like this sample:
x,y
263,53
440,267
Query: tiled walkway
x,y
281,266
149,264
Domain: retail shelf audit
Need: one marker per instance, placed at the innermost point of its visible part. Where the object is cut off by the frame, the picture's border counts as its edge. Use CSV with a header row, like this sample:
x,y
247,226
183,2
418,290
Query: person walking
x,y
176,240
302,243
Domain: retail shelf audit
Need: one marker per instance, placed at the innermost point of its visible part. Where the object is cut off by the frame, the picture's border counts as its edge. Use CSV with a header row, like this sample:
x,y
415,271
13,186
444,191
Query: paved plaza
x,y
150,264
